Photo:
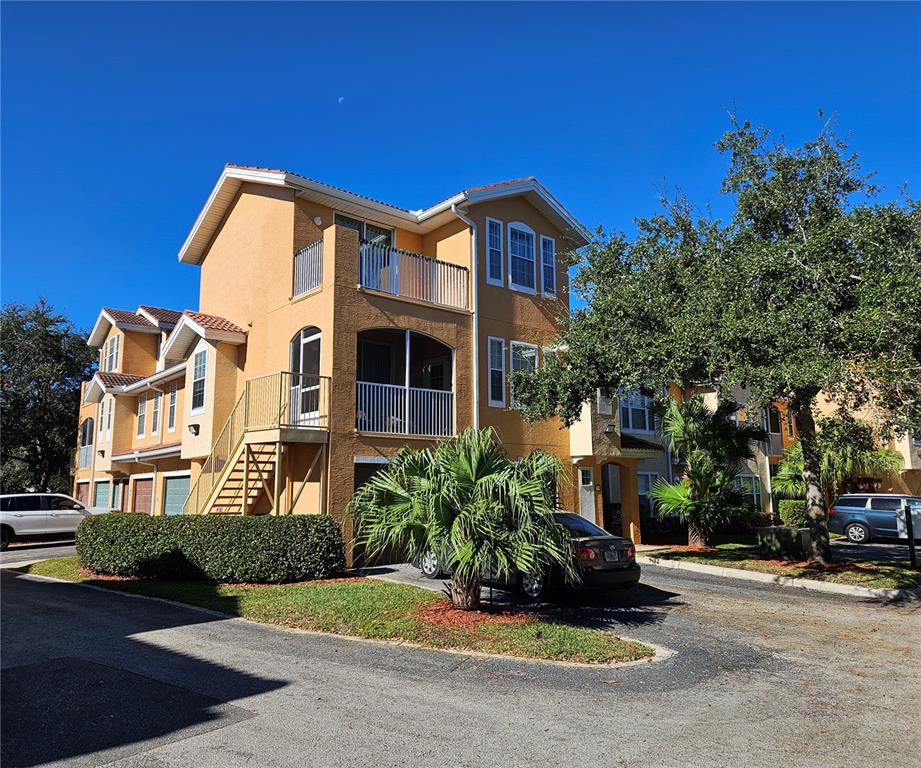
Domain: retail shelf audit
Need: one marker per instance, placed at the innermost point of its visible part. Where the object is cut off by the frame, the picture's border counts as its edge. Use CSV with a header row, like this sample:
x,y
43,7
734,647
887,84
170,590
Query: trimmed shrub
x,y
263,549
793,513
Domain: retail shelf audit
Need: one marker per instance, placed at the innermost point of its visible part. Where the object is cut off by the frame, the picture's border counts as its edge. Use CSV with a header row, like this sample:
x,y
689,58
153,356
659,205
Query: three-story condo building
x,y
331,329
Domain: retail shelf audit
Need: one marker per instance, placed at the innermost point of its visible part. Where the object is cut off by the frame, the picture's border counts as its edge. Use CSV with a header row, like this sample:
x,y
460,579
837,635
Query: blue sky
x,y
118,117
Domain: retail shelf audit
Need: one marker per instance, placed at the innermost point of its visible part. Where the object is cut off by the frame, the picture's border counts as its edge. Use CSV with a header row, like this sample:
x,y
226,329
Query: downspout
x,y
476,317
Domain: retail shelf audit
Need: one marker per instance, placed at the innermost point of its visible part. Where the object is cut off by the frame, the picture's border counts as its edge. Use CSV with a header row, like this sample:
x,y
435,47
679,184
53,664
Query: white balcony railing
x,y
384,407
401,273
85,456
308,268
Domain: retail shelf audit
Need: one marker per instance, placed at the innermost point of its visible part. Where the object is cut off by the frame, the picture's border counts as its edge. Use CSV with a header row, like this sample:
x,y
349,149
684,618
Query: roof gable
x,y
197,325
119,318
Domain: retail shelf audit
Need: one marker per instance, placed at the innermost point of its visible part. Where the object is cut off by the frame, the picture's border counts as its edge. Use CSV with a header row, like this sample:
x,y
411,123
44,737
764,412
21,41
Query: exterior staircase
x,y
245,458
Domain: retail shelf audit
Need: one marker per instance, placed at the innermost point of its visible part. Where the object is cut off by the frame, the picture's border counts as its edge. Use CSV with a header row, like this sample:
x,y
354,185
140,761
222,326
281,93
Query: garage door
x,y
102,495
143,495
83,493
175,494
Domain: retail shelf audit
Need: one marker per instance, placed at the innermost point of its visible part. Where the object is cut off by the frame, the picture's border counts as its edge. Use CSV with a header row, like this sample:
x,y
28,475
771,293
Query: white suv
x,y
38,515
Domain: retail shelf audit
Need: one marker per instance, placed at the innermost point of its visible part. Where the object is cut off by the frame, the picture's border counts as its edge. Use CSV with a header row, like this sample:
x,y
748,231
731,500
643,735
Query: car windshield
x,y
579,526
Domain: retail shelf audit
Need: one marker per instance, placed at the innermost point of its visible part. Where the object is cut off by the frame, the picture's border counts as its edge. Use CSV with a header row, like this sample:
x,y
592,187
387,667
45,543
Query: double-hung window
x,y
644,483
521,259
750,487
548,265
142,415
101,419
109,419
110,353
524,358
636,412
494,256
496,372
171,408
155,415
199,367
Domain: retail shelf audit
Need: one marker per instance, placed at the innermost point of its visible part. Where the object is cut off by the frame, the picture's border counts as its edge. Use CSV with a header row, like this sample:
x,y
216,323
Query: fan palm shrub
x,y
469,504
847,449
713,447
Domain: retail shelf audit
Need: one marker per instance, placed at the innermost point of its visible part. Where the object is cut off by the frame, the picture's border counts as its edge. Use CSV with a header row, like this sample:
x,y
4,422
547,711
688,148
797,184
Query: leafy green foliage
x,y
793,513
238,549
847,449
713,448
43,361
467,502
811,287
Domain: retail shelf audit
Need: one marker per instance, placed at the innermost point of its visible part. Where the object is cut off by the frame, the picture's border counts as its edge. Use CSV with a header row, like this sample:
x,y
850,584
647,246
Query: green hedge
x,y
263,549
793,513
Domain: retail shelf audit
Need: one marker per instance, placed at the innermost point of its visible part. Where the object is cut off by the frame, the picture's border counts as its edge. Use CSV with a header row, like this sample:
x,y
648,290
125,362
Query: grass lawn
x,y
872,573
376,609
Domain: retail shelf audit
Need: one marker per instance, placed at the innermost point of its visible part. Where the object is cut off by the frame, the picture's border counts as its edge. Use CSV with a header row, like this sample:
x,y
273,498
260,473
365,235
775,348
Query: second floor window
x,y
110,353
548,264
521,257
199,368
636,414
524,357
494,255
155,415
142,415
605,405
496,372
171,408
109,418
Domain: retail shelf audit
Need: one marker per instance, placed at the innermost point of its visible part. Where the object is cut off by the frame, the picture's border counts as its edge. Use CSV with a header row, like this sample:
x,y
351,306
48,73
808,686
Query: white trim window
x,y
142,415
109,418
171,407
523,358
110,353
494,255
101,419
199,369
521,259
496,348
155,415
750,487
644,483
605,405
547,265
636,412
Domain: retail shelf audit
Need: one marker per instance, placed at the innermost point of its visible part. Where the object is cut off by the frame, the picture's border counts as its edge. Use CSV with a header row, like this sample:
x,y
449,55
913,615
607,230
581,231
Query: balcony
x,y
412,275
308,269
404,384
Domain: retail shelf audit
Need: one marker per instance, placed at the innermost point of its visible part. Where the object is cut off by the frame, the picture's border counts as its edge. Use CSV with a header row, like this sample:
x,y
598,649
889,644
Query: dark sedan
x,y
604,562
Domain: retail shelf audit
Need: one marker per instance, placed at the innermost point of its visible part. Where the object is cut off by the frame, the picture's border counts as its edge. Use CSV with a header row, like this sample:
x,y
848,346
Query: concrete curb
x,y
661,652
810,585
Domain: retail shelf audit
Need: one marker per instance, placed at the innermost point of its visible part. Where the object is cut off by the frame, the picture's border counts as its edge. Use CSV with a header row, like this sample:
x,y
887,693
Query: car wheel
x,y
857,533
6,537
533,585
429,566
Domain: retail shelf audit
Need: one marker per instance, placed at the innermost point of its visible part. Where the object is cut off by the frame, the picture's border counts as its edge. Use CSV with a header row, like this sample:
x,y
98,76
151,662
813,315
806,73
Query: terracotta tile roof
x,y
213,322
129,318
635,444
163,315
111,379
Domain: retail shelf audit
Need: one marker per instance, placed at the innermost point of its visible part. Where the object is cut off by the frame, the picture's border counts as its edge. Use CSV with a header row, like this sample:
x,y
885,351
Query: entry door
x,y
586,493
143,496
175,494
305,383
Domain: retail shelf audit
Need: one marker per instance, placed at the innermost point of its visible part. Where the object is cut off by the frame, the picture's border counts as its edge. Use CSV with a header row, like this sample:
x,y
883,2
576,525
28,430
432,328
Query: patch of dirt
x,y
442,614
104,577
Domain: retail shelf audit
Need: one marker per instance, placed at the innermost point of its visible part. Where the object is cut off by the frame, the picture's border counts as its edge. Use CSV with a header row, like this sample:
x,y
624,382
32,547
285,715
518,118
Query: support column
x,y
244,505
276,491
630,501
406,387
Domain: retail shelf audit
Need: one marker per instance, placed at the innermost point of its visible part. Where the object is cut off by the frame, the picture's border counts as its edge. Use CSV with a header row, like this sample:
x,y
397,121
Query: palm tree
x,y
847,449
713,447
469,504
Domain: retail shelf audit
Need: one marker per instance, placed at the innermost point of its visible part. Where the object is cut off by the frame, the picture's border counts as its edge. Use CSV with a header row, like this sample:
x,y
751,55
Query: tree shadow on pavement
x,y
81,685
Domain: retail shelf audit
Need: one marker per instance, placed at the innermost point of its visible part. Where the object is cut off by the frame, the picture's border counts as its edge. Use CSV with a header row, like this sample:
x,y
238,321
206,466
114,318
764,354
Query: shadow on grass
x,y
80,685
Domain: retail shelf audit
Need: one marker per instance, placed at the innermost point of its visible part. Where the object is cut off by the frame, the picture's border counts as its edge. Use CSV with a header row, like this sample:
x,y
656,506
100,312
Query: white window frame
x,y
511,358
605,410
627,398
111,408
142,415
155,414
492,402
171,407
756,487
110,353
204,379
500,281
651,478
543,287
101,419
517,226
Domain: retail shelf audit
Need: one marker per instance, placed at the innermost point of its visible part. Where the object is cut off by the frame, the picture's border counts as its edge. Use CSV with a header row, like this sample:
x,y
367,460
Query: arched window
x,y
305,378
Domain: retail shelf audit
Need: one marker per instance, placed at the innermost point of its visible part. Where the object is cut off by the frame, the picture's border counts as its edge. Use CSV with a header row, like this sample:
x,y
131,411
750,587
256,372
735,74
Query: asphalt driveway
x,y
29,551
761,677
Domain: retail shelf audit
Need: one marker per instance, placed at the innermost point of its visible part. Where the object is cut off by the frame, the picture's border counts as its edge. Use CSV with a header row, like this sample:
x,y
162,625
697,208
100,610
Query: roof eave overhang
x,y
180,340
105,321
155,378
94,391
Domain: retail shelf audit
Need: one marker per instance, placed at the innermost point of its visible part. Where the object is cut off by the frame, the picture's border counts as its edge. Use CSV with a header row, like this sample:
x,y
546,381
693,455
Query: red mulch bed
x,y
442,614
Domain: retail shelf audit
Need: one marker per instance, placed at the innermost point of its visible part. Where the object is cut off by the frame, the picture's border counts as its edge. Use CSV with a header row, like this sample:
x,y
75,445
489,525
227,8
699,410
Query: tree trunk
x,y
698,536
465,595
815,497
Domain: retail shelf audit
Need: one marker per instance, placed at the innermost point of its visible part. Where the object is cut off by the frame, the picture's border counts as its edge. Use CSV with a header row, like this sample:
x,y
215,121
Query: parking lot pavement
x,y
29,551
882,550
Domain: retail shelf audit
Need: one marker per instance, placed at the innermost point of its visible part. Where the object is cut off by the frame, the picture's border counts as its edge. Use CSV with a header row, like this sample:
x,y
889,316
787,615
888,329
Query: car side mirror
x,y
78,506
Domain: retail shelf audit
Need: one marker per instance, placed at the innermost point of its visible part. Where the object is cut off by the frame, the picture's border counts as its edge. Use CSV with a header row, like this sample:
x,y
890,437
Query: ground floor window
x,y
644,483
750,487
